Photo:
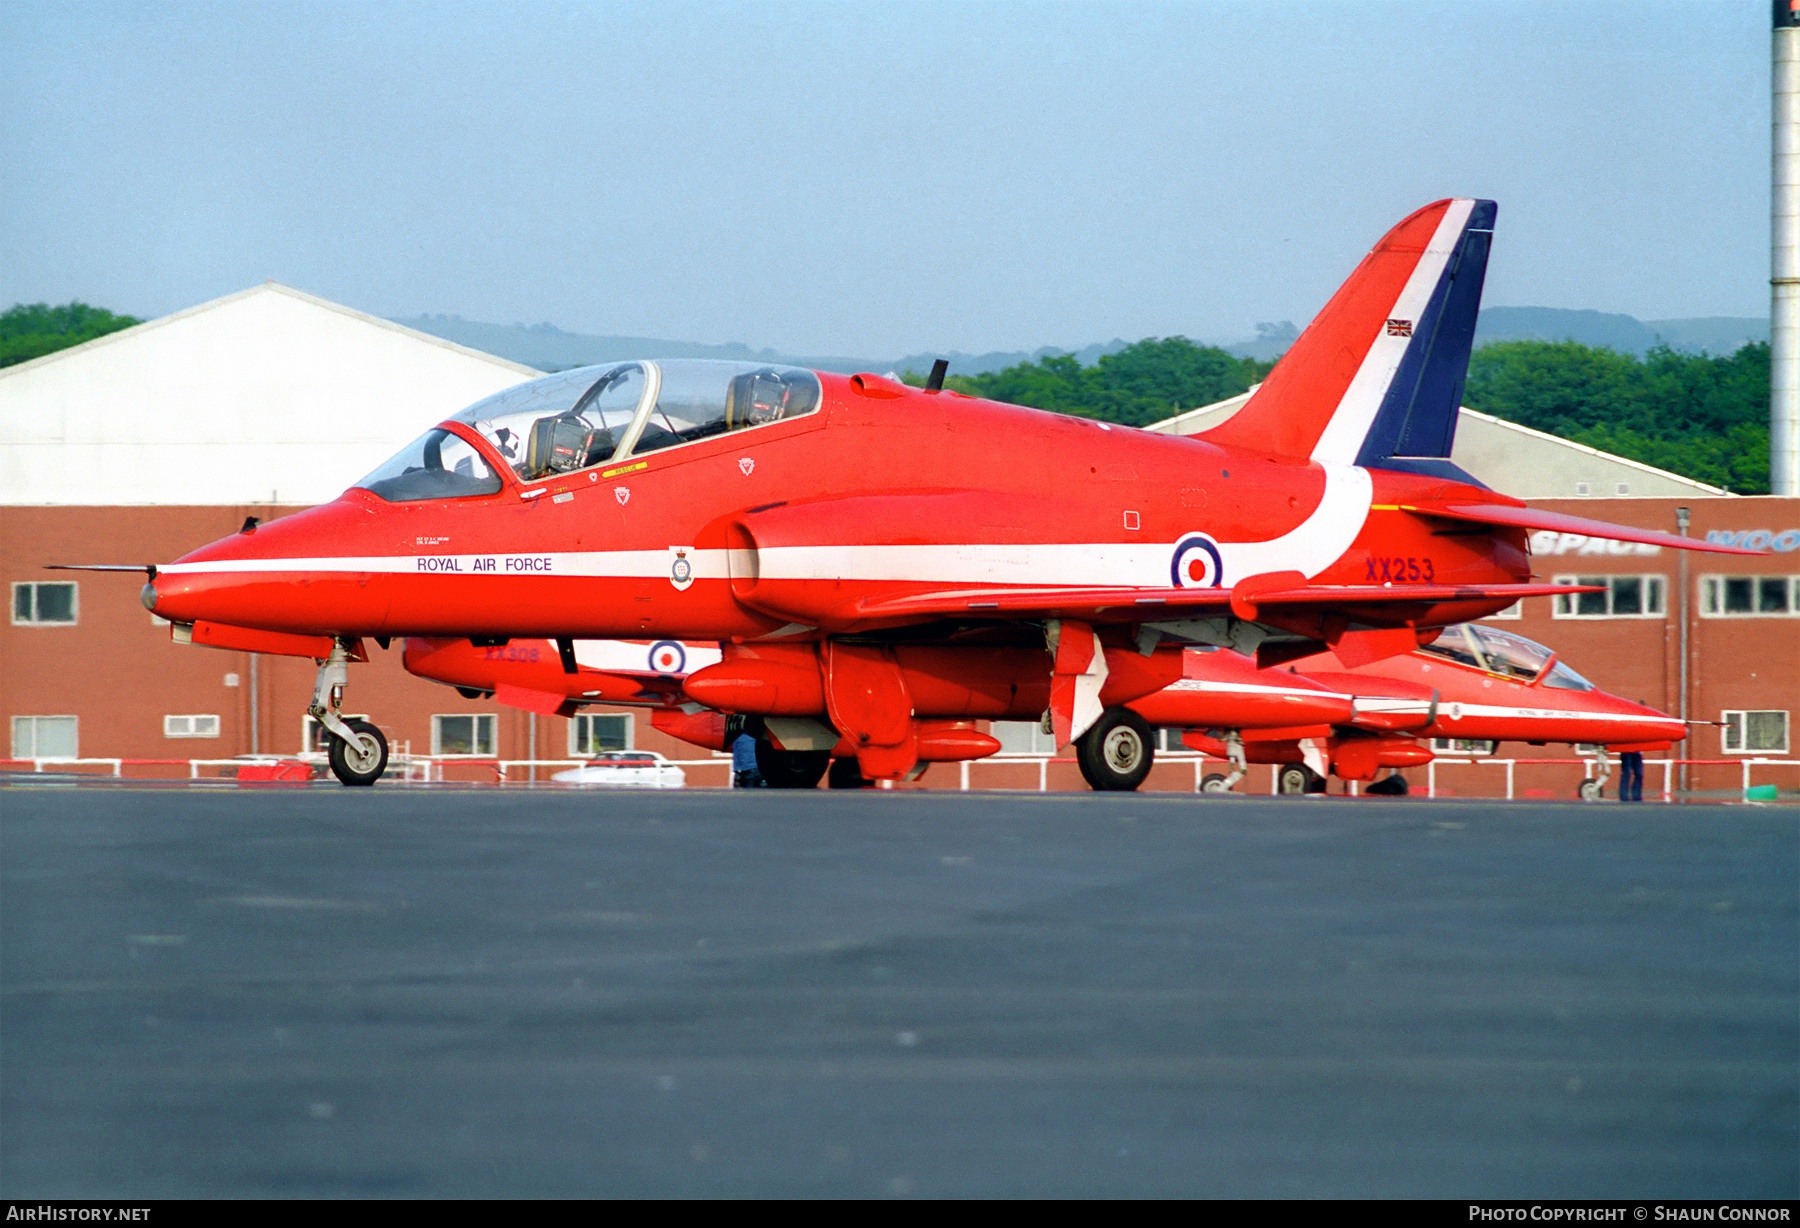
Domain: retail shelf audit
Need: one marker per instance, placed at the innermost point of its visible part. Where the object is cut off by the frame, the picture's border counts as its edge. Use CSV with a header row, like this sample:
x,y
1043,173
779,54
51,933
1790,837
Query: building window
x,y
190,726
1621,597
471,734
44,737
1514,611
593,732
1749,596
1023,738
44,604
1754,733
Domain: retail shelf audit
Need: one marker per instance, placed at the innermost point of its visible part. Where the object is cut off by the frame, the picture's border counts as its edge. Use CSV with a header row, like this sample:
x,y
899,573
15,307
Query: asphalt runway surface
x,y
391,992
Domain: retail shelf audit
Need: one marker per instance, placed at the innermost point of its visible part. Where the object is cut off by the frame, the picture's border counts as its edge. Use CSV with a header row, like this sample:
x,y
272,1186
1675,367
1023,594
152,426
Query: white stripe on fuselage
x,y
1343,436
1205,687
1310,547
1467,711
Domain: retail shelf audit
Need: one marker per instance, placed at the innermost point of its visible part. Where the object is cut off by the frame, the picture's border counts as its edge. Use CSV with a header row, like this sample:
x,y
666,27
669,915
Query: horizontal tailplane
x,y
1536,518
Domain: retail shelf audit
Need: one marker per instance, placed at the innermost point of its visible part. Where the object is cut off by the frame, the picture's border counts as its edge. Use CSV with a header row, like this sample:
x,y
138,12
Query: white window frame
x,y
586,719
1168,740
488,720
34,719
1041,743
191,725
1711,597
33,620
1726,725
1512,613
1564,605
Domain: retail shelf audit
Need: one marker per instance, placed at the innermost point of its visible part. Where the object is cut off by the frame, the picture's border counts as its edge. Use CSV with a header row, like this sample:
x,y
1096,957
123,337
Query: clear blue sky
x,y
876,179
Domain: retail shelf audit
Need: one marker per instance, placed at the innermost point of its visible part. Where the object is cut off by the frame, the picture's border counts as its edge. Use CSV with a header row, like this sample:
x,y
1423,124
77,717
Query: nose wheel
x,y
360,759
356,750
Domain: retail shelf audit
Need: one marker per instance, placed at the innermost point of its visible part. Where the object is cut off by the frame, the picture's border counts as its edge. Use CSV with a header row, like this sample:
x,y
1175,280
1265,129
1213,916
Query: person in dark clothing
x,y
1631,776
744,774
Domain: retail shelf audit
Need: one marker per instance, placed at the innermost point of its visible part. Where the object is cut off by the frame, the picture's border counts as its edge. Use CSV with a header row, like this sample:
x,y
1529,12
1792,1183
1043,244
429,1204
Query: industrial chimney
x,y
1784,255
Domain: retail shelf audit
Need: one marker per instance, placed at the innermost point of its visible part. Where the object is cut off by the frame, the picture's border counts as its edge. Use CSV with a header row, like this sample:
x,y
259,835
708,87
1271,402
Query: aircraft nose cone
x,y
147,595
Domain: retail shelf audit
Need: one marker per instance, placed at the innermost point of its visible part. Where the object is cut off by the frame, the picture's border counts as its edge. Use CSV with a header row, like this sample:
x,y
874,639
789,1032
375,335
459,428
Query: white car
x,y
625,769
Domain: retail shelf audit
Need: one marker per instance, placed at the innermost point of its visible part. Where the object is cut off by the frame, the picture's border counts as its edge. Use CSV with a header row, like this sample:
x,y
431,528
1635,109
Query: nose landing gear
x,y
1594,787
1215,782
356,749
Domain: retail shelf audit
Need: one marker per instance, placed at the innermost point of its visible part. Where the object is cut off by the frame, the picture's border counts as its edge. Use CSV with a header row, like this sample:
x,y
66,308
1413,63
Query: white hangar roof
x,y
1512,459
264,396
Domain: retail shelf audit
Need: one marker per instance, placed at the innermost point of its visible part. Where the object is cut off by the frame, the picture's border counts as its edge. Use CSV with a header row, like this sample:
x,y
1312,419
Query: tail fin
x,y
1377,377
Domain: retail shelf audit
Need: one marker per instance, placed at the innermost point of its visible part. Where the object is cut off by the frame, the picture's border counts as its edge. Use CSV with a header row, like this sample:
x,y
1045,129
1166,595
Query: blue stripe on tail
x,y
1415,427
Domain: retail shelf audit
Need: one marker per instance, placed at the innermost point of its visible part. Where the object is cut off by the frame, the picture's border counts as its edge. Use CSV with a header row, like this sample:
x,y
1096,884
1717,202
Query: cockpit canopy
x,y
593,416
1505,653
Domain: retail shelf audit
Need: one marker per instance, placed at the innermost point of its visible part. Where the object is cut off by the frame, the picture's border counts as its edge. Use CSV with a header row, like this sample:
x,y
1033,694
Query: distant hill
x,y
549,348
1721,335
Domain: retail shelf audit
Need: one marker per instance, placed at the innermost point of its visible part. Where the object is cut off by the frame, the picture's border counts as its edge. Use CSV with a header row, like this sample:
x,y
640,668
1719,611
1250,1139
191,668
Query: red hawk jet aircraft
x,y
876,558
1472,682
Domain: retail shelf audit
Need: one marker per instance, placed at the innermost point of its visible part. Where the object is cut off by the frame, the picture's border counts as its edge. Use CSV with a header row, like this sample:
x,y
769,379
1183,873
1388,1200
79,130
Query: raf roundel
x,y
1196,563
668,657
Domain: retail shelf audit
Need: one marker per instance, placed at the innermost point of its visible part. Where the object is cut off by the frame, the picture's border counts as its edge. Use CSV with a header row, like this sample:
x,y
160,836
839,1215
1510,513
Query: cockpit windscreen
x,y
1505,653
436,465
597,415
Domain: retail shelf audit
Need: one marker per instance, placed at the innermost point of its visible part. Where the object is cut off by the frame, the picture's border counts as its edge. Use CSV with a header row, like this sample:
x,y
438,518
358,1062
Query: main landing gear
x,y
357,751
1117,752
1297,778
847,774
790,769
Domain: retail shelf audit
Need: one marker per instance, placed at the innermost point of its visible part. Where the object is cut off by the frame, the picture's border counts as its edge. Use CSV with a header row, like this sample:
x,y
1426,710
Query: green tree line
x,y
1143,383
1695,414
31,330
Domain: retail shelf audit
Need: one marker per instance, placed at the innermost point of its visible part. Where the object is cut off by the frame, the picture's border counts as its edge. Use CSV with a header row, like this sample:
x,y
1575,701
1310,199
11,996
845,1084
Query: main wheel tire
x,y
791,769
847,774
1393,786
1297,778
1214,782
1117,752
361,763
1589,790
